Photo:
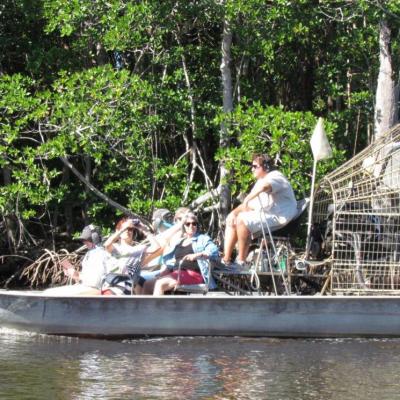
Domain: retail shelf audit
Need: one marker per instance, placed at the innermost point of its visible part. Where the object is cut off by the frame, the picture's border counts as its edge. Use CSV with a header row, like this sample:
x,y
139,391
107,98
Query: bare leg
x,y
243,235
231,238
138,289
148,286
164,284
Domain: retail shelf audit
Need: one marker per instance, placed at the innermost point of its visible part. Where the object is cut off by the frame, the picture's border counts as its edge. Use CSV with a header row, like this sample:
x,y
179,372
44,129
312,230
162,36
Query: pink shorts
x,y
188,277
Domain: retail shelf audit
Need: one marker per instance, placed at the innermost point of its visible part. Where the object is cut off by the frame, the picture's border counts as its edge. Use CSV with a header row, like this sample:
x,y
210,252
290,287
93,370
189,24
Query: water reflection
x,y
45,367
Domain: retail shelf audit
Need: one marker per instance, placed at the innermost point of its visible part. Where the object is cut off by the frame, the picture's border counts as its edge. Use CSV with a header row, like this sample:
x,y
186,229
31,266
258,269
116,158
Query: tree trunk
x,y
88,176
67,204
396,103
385,102
227,101
8,220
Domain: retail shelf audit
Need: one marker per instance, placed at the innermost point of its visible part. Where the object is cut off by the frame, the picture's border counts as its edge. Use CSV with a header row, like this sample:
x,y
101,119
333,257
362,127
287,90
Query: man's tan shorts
x,y
254,219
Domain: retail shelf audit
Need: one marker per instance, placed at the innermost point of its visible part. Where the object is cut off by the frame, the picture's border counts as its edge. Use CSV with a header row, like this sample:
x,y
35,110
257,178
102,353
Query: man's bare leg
x,y
243,236
229,243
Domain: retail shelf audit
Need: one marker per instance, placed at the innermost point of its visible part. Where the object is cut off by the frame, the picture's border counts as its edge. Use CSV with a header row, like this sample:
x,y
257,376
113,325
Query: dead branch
x,y
47,269
100,194
212,194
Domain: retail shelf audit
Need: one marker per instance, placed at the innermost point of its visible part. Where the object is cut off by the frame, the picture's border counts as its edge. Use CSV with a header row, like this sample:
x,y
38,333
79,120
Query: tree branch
x,y
97,192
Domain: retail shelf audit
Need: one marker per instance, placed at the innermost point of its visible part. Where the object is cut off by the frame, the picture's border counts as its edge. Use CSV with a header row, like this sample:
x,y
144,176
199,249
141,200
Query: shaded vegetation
x,y
130,92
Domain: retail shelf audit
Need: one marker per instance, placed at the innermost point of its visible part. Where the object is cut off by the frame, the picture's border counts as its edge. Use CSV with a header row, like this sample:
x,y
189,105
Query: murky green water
x,y
45,367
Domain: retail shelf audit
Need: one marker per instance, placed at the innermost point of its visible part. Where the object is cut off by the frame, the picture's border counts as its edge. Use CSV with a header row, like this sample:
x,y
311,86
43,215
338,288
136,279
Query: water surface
x,y
46,367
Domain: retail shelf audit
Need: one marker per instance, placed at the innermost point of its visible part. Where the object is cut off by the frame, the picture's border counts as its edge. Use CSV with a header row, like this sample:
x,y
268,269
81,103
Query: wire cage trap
x,y
356,219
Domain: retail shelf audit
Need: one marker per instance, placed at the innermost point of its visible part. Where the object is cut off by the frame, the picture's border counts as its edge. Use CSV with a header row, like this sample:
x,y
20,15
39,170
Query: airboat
x,y
346,284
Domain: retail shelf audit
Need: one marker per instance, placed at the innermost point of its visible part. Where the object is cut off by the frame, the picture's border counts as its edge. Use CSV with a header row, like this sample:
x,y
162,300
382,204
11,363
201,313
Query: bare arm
x,y
159,242
109,243
266,187
165,237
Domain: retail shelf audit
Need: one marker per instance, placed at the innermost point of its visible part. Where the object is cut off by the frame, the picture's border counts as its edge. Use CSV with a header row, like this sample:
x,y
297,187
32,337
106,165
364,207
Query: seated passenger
x,y
171,237
94,266
161,220
194,251
271,202
122,248
129,258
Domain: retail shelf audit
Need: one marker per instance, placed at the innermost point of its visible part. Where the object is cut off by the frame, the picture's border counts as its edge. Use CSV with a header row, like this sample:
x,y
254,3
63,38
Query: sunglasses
x,y
254,166
191,223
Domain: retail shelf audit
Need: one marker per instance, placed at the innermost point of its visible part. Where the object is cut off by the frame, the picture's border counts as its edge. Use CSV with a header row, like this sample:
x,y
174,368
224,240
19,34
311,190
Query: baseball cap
x,y
91,233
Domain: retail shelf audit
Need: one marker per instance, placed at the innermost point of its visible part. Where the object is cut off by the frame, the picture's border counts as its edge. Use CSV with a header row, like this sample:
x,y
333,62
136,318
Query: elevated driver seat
x,y
292,227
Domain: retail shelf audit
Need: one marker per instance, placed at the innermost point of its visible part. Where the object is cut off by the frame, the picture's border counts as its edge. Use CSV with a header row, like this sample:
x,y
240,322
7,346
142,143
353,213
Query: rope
x,y
262,214
254,279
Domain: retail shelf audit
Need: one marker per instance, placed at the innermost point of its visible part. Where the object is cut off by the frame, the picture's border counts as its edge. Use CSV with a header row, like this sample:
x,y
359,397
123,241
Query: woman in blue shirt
x,y
193,251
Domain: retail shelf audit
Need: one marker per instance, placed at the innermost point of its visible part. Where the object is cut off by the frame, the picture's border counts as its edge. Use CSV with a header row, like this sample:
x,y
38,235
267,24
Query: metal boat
x,y
208,315
353,257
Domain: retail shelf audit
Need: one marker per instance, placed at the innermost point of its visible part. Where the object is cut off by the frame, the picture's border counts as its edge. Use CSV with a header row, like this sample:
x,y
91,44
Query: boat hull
x,y
130,316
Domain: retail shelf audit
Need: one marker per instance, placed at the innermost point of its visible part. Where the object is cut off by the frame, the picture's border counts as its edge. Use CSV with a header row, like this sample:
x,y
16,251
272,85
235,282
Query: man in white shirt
x,y
270,202
94,266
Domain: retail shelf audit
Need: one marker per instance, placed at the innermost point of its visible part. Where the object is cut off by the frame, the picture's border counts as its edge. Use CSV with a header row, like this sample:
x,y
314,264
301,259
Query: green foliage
x,y
125,89
285,136
100,112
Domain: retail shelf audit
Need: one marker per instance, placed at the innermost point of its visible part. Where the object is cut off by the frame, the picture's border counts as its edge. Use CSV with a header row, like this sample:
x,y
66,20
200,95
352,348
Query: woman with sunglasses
x,y
193,252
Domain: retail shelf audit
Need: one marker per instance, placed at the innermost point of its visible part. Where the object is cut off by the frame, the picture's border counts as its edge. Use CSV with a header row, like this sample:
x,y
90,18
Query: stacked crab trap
x,y
356,220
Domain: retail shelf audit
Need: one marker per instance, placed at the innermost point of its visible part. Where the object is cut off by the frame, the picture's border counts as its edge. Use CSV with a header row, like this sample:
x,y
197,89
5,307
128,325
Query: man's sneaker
x,y
241,265
223,264
229,266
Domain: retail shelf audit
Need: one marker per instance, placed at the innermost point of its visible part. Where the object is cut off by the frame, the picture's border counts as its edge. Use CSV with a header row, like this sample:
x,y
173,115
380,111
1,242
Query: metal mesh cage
x,y
357,213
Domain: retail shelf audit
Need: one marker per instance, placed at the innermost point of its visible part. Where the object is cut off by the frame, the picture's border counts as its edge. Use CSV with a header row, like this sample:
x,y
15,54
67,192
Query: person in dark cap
x,y
94,266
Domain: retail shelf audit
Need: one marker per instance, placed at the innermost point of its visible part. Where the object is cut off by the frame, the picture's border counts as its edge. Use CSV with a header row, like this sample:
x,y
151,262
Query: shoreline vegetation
x,y
111,108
